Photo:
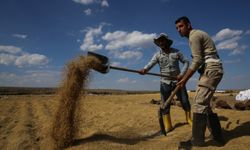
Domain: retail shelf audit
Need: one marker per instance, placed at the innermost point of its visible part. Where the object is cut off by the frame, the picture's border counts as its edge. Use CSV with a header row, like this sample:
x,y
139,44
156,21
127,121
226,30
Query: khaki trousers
x,y
206,87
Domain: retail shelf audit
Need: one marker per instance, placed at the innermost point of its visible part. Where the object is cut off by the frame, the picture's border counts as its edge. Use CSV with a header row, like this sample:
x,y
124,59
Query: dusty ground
x,y
109,122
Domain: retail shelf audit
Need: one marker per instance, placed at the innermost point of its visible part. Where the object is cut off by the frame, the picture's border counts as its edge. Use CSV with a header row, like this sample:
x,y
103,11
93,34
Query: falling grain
x,y
65,124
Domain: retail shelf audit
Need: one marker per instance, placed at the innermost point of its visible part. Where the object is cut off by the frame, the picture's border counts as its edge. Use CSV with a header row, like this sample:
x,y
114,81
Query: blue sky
x,y
38,37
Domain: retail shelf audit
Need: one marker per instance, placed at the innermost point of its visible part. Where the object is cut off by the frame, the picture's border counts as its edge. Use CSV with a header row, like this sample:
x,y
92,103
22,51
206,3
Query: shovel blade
x,y
103,62
161,123
101,58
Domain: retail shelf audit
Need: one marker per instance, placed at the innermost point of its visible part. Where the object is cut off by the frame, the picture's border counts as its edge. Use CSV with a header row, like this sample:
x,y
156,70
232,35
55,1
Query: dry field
x,y
109,122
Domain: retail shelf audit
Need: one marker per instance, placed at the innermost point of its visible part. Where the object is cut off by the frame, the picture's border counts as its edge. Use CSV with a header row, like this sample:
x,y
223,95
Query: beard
x,y
182,35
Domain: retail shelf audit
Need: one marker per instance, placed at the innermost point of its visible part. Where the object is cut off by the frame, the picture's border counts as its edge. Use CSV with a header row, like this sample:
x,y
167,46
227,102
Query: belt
x,y
212,59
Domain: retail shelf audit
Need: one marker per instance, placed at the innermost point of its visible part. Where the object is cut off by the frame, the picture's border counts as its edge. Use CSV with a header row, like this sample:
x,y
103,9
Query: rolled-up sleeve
x,y
152,62
195,42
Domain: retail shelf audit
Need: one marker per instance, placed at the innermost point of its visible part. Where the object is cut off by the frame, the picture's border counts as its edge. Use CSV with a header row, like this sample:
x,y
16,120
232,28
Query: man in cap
x,y
168,59
207,62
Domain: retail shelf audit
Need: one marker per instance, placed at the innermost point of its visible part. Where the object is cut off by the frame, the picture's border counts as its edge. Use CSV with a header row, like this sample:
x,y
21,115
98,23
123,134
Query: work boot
x,y
188,117
210,136
215,128
198,132
167,122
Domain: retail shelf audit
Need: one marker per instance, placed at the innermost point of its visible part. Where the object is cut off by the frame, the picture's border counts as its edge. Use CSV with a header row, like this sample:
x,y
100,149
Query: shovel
x,y
104,66
170,98
163,107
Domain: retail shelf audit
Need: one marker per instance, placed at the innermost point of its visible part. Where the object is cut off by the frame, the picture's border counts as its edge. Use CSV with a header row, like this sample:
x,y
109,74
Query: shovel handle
x,y
170,98
136,71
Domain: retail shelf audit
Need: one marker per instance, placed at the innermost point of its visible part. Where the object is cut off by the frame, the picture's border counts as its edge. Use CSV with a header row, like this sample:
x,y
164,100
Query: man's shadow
x,y
177,125
239,131
120,140
129,141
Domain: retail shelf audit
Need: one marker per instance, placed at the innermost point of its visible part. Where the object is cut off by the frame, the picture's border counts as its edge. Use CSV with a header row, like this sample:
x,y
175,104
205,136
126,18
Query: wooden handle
x,y
170,98
136,71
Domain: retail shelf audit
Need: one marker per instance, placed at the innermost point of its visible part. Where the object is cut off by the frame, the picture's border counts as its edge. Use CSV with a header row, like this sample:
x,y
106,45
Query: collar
x,y
192,32
170,50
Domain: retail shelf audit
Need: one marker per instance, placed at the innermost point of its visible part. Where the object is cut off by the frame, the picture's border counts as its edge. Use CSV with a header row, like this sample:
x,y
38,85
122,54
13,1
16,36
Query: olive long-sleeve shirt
x,y
203,49
169,63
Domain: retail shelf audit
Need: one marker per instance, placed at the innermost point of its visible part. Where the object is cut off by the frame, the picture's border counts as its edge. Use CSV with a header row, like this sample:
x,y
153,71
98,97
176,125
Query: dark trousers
x,y
182,95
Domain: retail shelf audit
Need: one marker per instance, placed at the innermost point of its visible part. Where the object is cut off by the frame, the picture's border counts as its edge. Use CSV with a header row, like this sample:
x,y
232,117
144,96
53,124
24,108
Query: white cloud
x,y
129,55
7,59
239,50
125,80
229,44
88,42
115,63
88,11
120,39
228,39
226,34
4,76
21,36
103,3
12,55
10,49
43,73
84,2
117,42
35,78
232,61
115,35
247,32
31,59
